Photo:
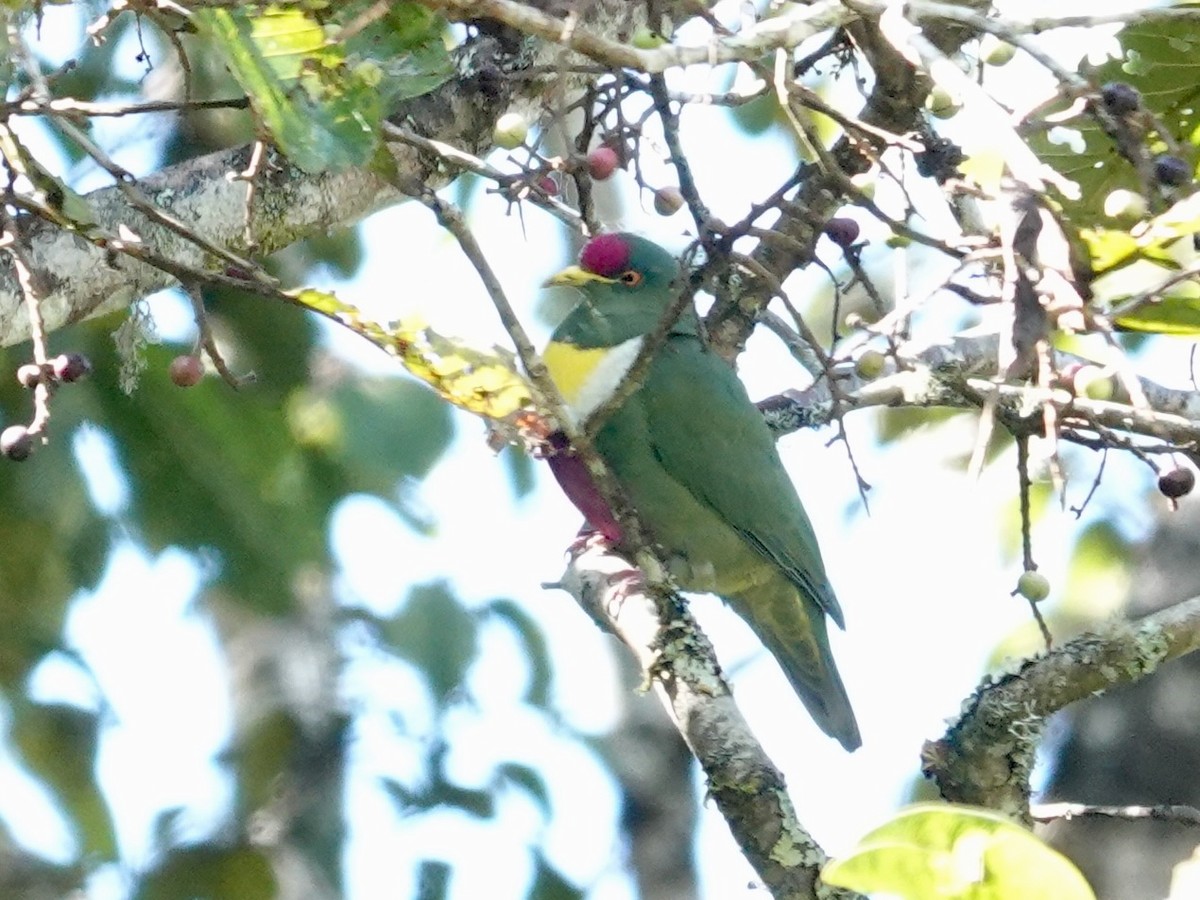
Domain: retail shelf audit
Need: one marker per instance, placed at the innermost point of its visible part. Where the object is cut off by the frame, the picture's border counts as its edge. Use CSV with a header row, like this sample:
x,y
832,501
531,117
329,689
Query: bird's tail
x,y
792,627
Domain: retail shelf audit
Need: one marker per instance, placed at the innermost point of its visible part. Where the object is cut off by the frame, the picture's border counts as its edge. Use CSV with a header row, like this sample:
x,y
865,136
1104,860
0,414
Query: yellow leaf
x,y
957,853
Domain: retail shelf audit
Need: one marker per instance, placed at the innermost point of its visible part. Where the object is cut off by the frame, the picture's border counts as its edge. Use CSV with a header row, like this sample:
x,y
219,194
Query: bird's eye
x,y
630,278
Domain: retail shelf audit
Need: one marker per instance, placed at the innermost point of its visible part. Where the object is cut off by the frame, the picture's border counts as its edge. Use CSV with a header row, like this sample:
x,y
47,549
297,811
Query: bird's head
x,y
627,282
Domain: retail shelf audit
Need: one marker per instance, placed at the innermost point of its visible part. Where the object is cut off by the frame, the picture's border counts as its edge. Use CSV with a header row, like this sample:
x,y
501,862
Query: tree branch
x,y
986,756
679,662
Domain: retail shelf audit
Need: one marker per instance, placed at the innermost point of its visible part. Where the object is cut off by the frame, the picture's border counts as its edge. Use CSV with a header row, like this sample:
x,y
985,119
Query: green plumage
x,y
699,464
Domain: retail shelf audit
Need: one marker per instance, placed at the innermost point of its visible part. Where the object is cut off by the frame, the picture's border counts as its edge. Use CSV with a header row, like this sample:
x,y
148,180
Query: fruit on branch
x,y
870,364
69,367
996,52
1176,483
697,461
668,200
16,443
186,370
865,182
1033,586
510,131
548,185
941,103
646,38
1171,170
29,375
842,231
602,162
1120,99
1088,381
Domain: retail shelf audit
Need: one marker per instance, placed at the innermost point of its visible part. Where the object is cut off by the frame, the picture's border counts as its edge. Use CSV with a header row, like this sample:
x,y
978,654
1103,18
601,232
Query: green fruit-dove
x,y
697,461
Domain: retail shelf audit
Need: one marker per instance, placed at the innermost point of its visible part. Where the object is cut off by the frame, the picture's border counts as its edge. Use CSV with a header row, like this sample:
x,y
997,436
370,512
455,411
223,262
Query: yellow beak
x,y
574,276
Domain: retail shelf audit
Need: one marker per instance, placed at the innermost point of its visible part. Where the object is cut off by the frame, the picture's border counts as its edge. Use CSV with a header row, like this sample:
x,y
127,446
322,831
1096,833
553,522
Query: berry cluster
x,y
17,441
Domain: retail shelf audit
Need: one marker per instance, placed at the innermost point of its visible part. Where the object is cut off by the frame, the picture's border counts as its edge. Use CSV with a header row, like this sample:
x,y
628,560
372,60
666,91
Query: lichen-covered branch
x,y
81,279
952,375
986,756
680,665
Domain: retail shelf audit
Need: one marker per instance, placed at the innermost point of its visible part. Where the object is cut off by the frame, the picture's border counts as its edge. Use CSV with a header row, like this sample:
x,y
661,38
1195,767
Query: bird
x,y
695,458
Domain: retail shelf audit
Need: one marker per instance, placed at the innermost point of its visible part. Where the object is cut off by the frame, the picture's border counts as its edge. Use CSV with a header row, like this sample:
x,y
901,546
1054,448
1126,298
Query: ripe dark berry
x,y
548,185
70,367
668,201
29,375
186,370
602,162
842,231
1119,98
1171,170
1176,483
16,442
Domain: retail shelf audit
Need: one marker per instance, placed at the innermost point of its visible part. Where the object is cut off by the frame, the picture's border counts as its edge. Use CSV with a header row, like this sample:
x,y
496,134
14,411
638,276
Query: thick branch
x,y
985,758
947,375
680,664
786,30
82,280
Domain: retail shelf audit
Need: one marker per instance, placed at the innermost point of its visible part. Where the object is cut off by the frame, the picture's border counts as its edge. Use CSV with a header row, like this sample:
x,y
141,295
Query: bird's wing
x,y
712,439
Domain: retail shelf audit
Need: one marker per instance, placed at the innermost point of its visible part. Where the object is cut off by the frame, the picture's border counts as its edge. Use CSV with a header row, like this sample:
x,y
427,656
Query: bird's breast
x,y
587,376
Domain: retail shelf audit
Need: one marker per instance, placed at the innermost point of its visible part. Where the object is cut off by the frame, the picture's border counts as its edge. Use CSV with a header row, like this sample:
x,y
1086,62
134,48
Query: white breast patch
x,y
603,380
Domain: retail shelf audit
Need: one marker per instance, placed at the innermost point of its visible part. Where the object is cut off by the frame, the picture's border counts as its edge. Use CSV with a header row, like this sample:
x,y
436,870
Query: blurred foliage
x,y
959,853
245,480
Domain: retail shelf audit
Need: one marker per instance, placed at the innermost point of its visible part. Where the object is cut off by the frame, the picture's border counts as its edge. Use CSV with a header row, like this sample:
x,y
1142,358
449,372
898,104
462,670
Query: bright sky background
x,y
924,587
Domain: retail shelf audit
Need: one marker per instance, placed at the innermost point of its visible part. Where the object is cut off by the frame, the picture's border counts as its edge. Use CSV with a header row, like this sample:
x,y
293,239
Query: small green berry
x,y
870,364
996,52
941,103
865,182
1033,586
510,131
646,38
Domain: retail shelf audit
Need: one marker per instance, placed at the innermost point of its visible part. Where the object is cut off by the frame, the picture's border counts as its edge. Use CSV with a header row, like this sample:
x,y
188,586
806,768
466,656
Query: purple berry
x,y
842,231
1120,99
29,375
602,162
1171,170
69,367
1176,483
186,370
16,443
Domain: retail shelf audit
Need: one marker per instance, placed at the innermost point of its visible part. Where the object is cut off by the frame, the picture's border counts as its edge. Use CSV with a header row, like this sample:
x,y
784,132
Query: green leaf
x,y
210,872
406,49
530,781
436,634
549,884
322,113
1161,58
1177,313
536,651
957,853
